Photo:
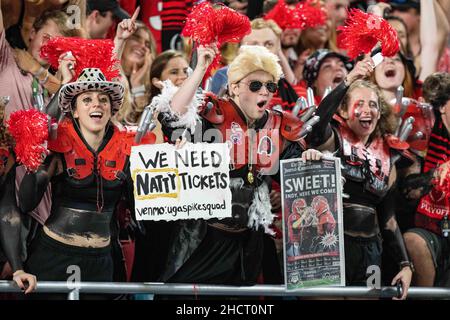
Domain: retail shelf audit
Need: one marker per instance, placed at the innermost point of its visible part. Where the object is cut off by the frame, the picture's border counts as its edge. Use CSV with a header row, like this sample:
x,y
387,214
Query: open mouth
x,y
390,73
96,115
365,123
261,104
338,79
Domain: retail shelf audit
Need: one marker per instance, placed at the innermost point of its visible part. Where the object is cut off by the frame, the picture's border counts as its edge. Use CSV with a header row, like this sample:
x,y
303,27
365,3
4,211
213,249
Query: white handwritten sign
x,y
189,183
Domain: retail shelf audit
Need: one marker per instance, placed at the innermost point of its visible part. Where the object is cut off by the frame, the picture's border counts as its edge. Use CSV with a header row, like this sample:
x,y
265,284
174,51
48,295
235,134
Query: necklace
x,y
250,177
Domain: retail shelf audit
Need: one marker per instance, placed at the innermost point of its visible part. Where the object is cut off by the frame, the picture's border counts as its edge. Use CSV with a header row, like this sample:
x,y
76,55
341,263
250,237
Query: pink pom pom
x,y
88,53
29,129
363,31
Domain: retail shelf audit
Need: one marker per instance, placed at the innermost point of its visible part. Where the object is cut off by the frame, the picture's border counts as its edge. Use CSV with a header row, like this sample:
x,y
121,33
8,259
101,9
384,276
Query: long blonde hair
x,y
130,111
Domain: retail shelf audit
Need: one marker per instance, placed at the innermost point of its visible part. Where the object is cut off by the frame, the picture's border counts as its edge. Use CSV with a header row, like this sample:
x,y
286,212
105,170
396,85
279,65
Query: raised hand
x,y
206,54
127,26
66,66
363,69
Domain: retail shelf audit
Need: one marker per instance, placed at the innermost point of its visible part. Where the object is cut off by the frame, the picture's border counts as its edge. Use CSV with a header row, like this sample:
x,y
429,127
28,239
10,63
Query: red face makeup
x,y
363,112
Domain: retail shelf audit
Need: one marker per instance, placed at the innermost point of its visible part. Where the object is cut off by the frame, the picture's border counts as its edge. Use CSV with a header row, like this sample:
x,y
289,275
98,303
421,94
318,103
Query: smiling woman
x,y
139,51
93,111
169,65
361,135
89,171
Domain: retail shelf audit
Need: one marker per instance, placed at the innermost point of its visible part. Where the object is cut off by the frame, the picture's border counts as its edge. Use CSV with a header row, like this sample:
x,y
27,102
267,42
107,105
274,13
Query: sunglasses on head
x,y
256,85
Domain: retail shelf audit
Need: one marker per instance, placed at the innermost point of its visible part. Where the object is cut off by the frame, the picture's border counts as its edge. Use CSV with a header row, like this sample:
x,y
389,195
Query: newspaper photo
x,y
313,240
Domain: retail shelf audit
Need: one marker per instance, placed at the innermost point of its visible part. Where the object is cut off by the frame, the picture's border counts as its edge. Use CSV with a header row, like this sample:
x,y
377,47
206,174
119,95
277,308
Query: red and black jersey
x,y
259,146
436,204
174,13
92,180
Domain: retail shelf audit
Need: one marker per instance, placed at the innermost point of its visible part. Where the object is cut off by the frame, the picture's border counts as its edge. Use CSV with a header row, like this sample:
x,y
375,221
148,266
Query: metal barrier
x,y
74,289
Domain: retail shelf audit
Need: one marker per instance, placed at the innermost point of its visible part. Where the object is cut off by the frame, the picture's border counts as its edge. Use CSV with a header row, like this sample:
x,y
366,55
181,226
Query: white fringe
x,y
236,183
260,210
161,103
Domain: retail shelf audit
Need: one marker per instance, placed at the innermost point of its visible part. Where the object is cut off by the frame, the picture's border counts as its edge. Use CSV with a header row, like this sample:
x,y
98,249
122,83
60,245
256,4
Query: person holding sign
x,y
360,134
229,251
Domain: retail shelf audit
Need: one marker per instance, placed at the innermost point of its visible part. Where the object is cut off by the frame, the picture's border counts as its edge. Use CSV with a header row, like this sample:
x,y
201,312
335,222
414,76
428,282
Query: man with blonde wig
x,y
265,33
229,251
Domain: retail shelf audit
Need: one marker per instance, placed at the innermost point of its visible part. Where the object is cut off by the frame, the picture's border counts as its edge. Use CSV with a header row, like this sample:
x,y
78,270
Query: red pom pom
x,y
89,53
29,129
363,31
207,24
307,14
313,14
285,16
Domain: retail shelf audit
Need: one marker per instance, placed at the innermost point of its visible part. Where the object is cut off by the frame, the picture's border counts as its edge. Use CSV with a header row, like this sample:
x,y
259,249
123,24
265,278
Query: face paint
x,y
355,110
363,112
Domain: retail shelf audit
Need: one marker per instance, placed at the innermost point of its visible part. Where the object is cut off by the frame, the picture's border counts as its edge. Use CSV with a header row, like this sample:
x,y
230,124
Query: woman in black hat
x,y
325,68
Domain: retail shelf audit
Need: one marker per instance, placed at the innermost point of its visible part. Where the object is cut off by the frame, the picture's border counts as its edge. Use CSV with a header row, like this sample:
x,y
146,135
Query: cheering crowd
x,y
82,81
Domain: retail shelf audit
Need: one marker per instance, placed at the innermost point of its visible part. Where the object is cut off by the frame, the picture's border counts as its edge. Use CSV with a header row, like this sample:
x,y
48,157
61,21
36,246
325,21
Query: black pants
x,y
360,253
222,258
51,260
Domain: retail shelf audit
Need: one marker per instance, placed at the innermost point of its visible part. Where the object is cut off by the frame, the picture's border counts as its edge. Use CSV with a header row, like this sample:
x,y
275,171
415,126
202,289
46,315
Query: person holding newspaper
x,y
360,134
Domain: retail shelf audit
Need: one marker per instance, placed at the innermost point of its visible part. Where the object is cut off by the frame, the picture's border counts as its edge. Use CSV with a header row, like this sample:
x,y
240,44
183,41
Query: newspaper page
x,y
313,235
